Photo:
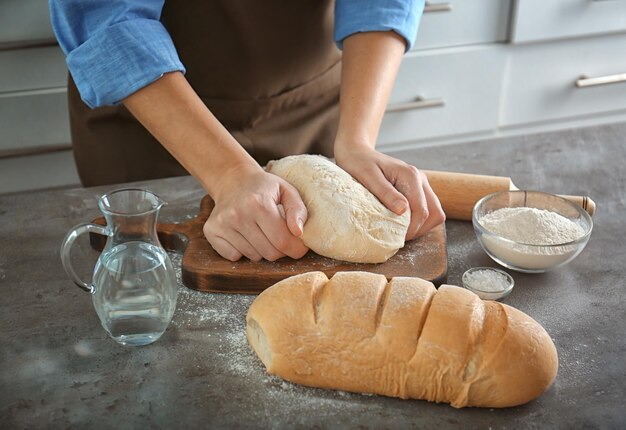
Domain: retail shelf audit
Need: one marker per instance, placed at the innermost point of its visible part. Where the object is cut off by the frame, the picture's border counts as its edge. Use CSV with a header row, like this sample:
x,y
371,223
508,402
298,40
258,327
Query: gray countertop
x,y
58,368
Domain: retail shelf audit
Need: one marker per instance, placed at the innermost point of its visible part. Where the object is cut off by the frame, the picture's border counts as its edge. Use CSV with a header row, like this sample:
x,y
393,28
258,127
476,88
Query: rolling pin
x,y
459,192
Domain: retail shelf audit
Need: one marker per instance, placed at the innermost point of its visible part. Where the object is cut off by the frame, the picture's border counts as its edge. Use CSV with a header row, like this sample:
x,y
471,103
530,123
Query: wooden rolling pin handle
x,y
583,201
459,192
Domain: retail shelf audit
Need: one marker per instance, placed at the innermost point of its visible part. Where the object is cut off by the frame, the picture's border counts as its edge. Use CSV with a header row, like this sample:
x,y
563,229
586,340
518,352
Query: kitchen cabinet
x,y
479,69
34,120
549,69
38,170
35,149
550,81
438,93
33,100
25,22
32,69
539,20
461,23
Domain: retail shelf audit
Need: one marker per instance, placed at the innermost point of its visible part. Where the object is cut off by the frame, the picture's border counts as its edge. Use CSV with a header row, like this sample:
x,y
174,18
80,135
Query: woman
x,y
215,87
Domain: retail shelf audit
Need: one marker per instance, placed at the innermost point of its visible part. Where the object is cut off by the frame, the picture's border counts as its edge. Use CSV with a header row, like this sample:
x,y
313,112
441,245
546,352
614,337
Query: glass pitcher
x,y
134,286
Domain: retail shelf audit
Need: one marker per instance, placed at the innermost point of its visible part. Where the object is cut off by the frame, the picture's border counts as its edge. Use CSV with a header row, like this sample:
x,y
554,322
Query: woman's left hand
x,y
397,185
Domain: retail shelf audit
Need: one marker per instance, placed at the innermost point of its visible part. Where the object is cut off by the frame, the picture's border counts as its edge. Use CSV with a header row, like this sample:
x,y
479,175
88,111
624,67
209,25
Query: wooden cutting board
x,y
205,270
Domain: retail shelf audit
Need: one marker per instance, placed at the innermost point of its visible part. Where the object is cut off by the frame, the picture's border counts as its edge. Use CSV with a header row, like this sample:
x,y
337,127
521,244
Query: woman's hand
x,y
370,65
396,184
247,220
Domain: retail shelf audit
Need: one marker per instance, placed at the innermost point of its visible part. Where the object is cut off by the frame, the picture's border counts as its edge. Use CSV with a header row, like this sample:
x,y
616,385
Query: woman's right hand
x,y
247,220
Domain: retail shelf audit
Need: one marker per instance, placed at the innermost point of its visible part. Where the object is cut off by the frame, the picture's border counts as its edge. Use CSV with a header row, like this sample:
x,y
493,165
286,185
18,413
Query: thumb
x,y
295,211
393,199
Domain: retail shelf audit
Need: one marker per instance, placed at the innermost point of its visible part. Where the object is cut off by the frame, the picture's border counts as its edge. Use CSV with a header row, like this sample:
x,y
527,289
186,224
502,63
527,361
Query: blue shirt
x,y
115,48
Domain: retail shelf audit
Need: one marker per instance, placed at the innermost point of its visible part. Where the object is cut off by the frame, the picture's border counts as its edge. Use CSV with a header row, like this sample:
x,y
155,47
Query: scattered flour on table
x,y
531,226
223,317
195,307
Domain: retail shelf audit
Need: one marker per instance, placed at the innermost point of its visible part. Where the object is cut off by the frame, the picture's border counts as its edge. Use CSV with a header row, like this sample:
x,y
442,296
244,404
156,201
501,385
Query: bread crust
x,y
403,338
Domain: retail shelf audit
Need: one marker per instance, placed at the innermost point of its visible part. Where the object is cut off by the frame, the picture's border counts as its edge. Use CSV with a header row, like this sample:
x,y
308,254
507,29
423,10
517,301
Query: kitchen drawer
x,y
25,21
33,118
541,83
541,20
465,80
56,169
32,68
462,22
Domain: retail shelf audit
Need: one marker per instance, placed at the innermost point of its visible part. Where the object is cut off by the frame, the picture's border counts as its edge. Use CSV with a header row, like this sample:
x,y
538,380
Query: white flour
x,y
532,226
537,232
219,322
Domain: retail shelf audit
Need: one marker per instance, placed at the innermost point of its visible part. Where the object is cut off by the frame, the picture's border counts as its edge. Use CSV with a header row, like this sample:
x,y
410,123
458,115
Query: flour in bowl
x,y
542,238
532,226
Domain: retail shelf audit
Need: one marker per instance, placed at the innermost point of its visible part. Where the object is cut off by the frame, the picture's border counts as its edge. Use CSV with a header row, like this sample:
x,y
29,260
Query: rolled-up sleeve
x,y
113,48
355,16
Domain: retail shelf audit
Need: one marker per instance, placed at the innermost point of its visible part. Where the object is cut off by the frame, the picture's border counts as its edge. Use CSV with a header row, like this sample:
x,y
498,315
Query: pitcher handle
x,y
66,246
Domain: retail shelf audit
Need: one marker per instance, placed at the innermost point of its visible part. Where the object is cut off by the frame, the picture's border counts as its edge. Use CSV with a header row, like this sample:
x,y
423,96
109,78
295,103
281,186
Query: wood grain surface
x,y
459,192
205,270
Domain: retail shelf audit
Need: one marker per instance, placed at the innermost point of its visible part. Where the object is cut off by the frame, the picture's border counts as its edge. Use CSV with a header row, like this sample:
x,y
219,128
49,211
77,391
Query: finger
x,y
241,244
295,211
410,185
257,238
376,182
436,215
279,235
225,249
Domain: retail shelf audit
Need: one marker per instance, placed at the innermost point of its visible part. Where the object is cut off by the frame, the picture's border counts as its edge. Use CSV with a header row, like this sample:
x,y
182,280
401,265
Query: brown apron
x,y
268,70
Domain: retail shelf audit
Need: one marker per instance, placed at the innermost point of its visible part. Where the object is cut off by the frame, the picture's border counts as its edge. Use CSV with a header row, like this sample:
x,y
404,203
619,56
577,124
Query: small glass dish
x,y
489,293
524,257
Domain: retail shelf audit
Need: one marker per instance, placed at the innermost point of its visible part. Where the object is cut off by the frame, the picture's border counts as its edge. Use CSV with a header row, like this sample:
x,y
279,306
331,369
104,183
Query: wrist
x,y
221,182
343,149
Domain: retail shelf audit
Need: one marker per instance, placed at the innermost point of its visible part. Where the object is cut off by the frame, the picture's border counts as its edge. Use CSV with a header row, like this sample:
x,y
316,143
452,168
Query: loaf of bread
x,y
403,338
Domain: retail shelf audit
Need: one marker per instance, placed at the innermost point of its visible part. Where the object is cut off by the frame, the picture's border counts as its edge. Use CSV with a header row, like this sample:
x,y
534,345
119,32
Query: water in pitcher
x,y
135,294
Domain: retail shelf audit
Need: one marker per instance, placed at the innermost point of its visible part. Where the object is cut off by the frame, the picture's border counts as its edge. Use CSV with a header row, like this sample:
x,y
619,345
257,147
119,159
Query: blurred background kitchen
x,y
480,69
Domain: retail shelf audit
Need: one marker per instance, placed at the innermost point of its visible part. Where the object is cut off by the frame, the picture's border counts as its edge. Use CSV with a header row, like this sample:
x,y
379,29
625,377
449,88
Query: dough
x,y
345,221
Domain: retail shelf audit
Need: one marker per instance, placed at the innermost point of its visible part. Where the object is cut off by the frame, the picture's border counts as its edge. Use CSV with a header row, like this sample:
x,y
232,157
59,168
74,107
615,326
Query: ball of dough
x,y
345,221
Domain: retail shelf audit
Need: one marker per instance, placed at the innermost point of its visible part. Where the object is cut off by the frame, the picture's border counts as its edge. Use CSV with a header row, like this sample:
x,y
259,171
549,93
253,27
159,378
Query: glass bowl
x,y
525,257
488,292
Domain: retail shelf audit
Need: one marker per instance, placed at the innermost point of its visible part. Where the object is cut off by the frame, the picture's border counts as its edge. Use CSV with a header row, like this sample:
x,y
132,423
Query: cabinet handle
x,y
585,81
419,103
437,7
